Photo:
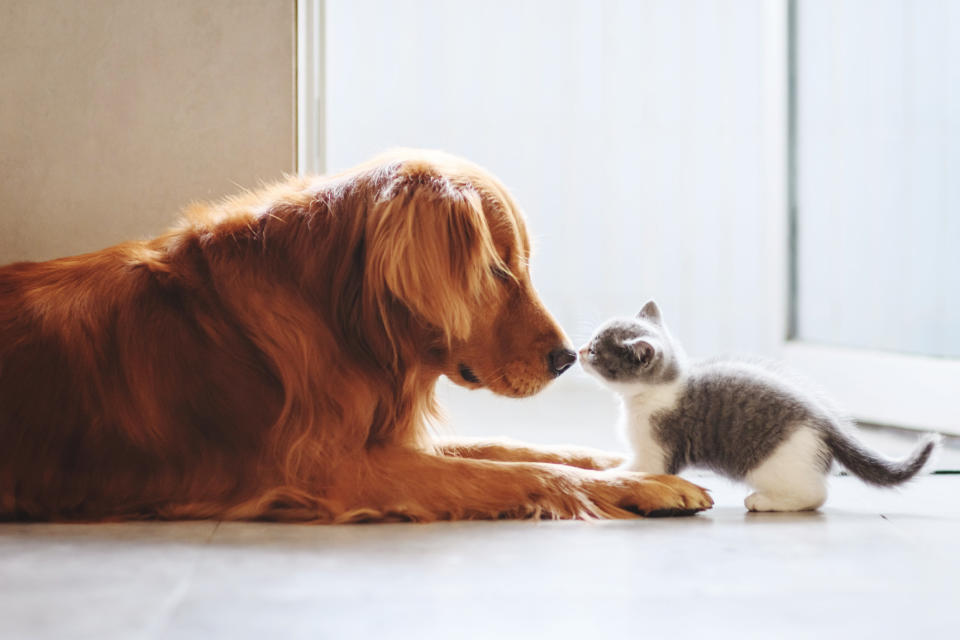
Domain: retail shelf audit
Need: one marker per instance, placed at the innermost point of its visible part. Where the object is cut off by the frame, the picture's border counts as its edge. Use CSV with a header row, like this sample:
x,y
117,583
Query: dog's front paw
x,y
692,497
648,495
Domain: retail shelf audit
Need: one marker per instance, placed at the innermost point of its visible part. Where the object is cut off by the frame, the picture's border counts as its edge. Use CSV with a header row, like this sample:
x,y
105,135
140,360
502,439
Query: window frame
x,y
311,87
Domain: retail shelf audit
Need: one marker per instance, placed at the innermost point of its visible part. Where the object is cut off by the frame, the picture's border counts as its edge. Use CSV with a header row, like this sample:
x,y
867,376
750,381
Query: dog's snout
x,y
561,359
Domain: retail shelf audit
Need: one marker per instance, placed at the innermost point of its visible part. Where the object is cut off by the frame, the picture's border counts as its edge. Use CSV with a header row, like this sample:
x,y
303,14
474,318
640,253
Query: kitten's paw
x,y
759,502
762,502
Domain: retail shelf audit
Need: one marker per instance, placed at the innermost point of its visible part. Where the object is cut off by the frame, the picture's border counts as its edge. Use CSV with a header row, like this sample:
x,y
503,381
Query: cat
x,y
743,419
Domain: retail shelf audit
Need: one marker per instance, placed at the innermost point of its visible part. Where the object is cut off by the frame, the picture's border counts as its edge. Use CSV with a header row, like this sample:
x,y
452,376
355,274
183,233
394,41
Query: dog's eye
x,y
500,273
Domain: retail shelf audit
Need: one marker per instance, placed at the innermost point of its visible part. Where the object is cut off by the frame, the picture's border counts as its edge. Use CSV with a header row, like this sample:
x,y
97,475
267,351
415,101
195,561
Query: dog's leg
x,y
507,450
407,484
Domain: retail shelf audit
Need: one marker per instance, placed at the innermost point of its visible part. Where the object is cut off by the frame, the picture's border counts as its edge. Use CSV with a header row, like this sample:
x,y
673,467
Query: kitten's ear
x,y
650,312
644,349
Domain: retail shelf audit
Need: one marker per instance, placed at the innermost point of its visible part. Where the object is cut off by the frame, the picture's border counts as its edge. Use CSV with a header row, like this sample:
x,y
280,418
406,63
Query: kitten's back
x,y
732,414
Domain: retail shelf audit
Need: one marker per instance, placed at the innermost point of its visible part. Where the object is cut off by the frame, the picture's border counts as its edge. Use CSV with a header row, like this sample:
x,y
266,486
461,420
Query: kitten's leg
x,y
793,478
647,455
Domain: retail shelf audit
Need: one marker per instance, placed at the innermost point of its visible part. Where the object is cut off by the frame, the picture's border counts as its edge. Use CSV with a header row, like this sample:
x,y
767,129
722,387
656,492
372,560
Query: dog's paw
x,y
620,492
691,496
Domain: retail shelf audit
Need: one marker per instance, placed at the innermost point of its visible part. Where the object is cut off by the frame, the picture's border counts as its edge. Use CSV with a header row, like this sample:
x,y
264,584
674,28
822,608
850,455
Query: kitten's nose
x,y
561,359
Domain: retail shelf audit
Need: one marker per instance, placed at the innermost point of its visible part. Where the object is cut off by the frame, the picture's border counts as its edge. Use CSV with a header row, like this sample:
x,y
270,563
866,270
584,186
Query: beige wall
x,y
114,114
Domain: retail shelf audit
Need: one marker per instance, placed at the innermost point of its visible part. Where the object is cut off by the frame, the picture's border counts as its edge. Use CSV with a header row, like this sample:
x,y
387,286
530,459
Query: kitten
x,y
739,418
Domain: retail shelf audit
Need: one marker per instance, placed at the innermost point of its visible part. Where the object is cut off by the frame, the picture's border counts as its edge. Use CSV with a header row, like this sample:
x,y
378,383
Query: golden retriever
x,y
275,355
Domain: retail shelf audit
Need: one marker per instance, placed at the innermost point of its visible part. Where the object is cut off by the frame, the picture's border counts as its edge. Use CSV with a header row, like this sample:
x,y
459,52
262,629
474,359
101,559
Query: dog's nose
x,y
561,359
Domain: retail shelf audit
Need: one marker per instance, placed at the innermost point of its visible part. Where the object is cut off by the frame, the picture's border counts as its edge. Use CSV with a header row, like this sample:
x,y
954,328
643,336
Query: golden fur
x,y
275,356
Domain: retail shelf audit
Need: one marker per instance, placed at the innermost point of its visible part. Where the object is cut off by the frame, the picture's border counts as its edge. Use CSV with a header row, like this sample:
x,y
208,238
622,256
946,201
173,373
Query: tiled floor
x,y
872,564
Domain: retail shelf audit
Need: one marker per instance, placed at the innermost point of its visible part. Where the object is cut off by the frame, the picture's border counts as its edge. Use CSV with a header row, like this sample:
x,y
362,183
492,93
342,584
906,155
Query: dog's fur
x,y
275,355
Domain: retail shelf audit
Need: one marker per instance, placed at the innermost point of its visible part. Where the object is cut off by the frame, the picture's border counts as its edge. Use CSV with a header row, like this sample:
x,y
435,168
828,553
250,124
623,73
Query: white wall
x,y
635,135
115,114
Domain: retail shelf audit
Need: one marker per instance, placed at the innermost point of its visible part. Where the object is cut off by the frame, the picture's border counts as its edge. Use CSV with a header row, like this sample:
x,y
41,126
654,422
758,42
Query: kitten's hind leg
x,y
793,477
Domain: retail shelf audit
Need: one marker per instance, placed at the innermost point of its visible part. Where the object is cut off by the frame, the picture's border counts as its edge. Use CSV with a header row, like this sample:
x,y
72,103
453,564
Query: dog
x,y
274,356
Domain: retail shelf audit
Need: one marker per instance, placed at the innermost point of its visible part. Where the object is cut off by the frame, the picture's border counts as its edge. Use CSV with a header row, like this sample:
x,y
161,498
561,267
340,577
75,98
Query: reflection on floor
x,y
872,563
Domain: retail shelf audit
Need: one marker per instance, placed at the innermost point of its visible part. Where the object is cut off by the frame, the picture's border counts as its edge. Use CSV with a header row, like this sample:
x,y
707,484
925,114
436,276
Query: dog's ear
x,y
429,244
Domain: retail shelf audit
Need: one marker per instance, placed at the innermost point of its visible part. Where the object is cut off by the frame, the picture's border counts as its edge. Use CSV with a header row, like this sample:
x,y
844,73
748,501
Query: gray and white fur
x,y
740,418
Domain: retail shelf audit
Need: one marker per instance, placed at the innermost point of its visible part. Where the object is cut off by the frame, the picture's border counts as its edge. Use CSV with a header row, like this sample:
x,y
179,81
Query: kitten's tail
x,y
874,469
